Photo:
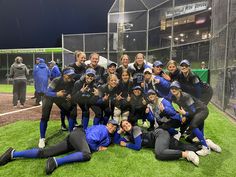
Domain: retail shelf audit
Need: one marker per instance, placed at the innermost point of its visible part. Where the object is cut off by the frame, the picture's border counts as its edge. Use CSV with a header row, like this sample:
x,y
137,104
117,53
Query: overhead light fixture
x,y
127,36
197,32
134,39
181,34
182,40
169,37
176,38
209,8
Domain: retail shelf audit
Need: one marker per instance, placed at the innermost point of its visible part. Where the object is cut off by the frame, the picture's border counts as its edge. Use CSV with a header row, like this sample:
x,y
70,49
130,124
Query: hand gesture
x,y
156,81
147,110
161,107
68,97
142,84
182,111
128,98
183,120
144,101
61,93
102,148
119,97
120,131
95,92
84,88
166,76
122,143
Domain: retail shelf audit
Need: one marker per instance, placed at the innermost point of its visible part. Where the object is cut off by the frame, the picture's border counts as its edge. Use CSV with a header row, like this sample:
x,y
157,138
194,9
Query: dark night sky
x,y
40,23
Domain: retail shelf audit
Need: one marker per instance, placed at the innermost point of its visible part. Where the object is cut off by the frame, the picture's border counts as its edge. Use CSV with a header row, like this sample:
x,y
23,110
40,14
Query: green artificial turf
x,y
7,88
119,161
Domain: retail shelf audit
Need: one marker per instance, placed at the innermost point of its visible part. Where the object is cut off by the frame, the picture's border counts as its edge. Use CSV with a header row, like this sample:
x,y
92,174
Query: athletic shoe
x,y
64,128
193,158
6,157
41,142
213,146
177,136
15,107
204,151
195,140
145,125
21,106
51,165
41,103
33,97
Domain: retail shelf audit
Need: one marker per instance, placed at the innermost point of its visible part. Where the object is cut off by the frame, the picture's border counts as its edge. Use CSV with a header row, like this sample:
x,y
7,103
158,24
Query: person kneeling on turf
x,y
95,138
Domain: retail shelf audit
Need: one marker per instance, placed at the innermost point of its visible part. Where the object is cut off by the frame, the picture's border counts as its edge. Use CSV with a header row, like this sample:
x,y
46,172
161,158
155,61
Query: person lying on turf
x,y
94,138
166,147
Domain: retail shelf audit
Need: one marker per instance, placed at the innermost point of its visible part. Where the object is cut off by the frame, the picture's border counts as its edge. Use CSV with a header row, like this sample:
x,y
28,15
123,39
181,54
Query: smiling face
x,y
184,68
80,57
175,91
112,81
139,59
147,76
152,97
126,126
89,78
172,68
125,60
111,128
111,69
67,78
125,76
157,70
94,58
137,92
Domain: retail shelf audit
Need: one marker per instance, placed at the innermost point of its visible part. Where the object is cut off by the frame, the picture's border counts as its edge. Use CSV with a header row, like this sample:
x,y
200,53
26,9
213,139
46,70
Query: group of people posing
x,y
119,97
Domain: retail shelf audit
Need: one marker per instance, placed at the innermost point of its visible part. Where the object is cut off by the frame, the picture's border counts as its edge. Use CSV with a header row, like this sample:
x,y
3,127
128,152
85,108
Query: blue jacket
x,y
168,111
55,72
41,75
96,136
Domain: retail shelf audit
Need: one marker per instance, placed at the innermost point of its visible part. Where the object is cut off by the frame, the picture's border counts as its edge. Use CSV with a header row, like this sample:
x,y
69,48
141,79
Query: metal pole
x,y
108,37
226,53
120,27
172,29
147,34
62,54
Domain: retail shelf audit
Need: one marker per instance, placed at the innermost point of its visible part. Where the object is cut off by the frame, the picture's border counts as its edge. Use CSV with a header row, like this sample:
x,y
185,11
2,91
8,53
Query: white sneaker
x,y
196,140
41,143
145,125
213,146
204,151
193,158
177,136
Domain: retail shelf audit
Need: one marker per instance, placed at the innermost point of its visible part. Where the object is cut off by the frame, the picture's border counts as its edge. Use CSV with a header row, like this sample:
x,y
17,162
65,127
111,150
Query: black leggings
x,y
168,148
75,141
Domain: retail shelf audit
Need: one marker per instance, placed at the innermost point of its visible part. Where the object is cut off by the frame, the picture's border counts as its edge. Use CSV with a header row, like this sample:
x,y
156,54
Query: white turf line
x,y
20,110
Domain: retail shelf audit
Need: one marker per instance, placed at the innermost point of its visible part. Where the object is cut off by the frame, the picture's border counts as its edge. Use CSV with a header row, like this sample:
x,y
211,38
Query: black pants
x,y
207,95
67,107
165,146
19,91
172,123
75,141
85,110
39,97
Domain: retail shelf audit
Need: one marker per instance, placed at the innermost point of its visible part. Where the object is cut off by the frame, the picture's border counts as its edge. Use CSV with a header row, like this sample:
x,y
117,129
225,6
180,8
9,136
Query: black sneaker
x,y
6,157
64,128
50,165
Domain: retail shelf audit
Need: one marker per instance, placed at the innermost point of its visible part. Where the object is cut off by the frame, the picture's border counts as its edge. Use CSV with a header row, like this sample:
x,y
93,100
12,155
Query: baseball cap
x,y
113,122
151,92
37,58
69,72
137,88
175,84
52,62
111,64
149,70
41,60
90,71
157,63
184,62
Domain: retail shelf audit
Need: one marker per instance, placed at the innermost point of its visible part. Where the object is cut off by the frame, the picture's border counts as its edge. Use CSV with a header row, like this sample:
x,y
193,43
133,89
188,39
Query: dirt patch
x,y
16,114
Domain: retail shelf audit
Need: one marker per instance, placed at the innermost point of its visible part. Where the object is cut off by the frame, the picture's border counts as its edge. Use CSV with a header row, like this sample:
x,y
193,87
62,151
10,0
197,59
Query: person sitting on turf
x,y
58,92
95,138
166,147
